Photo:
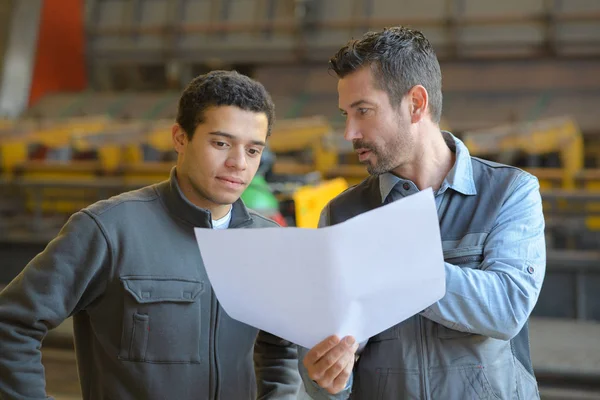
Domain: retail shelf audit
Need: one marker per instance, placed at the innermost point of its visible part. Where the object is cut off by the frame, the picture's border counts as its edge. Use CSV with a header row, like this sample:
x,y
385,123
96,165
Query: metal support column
x,y
19,59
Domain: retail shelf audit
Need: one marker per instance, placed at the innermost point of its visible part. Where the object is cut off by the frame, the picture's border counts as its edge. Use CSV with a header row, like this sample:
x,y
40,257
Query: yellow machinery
x,y
92,158
43,150
81,160
27,141
567,191
291,140
555,135
309,201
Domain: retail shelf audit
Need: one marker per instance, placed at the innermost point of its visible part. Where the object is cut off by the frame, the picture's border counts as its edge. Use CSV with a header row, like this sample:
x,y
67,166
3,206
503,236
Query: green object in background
x,y
258,196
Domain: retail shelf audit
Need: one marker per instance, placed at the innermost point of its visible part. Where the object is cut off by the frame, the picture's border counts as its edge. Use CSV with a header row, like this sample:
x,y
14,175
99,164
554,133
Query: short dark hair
x,y
400,58
222,88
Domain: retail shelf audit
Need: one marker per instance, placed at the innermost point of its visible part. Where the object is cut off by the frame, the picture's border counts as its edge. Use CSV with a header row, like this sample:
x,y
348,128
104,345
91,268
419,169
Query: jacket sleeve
x,y
63,279
276,365
497,299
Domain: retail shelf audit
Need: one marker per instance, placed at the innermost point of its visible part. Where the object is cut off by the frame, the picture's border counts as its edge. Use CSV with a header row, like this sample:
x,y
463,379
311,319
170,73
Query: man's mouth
x,y
231,181
363,154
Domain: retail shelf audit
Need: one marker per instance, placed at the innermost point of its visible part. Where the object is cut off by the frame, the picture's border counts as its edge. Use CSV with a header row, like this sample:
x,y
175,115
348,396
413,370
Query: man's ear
x,y
180,138
419,102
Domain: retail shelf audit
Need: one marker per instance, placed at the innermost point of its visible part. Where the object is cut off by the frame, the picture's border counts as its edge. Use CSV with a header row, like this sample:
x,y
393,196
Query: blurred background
x,y
89,90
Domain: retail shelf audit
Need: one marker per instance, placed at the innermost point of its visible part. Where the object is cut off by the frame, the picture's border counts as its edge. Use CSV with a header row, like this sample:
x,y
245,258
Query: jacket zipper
x,y
441,207
239,224
215,307
215,347
423,352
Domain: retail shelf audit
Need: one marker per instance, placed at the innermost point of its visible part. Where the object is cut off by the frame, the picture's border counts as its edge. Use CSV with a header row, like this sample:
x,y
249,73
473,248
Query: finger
x,y
341,378
331,374
339,383
351,344
320,350
331,364
328,361
333,356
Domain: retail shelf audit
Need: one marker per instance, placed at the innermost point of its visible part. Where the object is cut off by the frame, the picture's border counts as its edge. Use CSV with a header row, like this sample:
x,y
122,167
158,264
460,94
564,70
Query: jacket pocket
x,y
465,257
389,383
526,384
466,382
161,320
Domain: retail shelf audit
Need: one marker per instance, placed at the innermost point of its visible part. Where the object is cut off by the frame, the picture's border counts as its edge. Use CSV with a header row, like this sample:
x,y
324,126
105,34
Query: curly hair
x,y
222,88
400,58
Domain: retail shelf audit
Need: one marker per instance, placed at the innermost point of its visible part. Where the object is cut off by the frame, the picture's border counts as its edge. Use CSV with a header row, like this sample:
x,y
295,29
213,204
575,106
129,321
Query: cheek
x,y
253,164
211,159
391,132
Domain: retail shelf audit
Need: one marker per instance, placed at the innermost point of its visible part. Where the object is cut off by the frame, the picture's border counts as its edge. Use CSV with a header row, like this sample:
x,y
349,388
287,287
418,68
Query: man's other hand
x,y
330,362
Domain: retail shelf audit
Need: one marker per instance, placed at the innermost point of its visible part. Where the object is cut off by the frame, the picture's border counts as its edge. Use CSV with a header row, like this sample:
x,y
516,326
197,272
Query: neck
x,y
432,161
217,211
220,211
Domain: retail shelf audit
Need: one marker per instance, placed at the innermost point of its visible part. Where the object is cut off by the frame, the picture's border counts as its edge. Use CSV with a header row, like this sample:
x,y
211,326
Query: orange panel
x,y
60,58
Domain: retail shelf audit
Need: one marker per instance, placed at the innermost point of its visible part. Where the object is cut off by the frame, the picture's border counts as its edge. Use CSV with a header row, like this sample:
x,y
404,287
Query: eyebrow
x,y
232,137
358,103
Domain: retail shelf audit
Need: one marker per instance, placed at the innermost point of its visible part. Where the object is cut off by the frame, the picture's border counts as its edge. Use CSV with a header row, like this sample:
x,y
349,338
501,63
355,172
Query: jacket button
x,y
530,270
406,186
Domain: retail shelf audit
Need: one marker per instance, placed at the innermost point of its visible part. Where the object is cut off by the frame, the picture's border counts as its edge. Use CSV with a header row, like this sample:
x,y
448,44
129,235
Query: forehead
x,y
235,121
359,85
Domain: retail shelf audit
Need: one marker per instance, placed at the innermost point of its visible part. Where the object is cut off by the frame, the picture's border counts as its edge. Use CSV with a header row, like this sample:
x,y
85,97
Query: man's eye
x,y
220,144
363,111
254,152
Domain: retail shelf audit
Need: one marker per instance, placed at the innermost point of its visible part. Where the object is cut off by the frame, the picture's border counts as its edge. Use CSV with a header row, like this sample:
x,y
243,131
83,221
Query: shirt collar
x,y
460,177
223,222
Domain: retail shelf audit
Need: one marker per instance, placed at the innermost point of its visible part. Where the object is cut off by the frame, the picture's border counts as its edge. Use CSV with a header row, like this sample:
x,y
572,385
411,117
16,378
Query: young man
x,y
473,343
147,323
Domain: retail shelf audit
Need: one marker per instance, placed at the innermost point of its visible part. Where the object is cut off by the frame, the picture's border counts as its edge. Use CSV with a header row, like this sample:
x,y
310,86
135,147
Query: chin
x,y
226,200
234,198
372,168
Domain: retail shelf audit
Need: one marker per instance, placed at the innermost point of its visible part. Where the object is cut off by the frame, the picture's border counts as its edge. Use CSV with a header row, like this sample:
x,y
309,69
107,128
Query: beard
x,y
386,157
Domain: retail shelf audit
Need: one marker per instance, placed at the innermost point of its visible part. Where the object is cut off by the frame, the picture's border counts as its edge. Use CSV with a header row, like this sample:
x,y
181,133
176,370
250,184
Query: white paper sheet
x,y
357,278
